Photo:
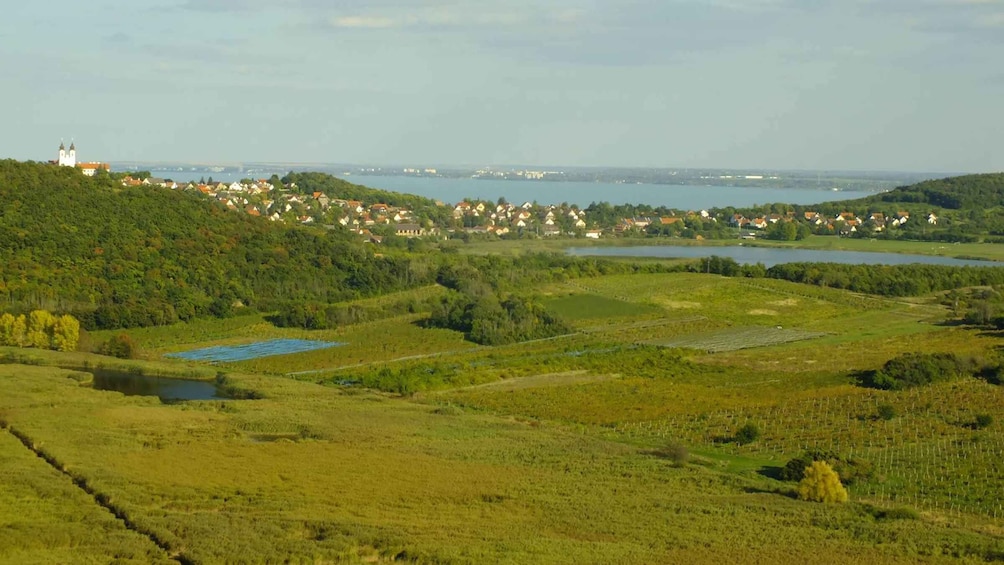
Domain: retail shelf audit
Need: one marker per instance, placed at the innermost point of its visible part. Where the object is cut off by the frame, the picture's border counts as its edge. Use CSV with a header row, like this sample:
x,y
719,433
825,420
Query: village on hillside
x,y
375,220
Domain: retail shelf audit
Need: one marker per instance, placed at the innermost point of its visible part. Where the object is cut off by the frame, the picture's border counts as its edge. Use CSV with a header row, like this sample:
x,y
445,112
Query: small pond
x,y
167,389
230,353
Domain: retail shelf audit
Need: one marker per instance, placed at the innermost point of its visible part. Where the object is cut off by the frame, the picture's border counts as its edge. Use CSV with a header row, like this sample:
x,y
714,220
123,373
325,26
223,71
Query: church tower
x,y
67,159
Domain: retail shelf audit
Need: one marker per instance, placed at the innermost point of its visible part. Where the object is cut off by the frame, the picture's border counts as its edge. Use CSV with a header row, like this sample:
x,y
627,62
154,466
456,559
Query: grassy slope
x,y
44,518
555,467
388,477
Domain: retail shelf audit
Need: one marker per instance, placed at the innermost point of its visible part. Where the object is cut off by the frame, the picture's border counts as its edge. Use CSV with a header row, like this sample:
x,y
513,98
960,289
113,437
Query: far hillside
x,y
955,193
426,210
966,208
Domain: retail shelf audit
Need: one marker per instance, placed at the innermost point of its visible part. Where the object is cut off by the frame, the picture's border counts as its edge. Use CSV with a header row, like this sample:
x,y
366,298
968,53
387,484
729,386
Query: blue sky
x,y
912,85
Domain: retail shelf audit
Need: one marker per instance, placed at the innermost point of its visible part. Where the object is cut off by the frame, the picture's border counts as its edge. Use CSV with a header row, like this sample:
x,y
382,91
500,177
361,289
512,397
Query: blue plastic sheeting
x,y
229,353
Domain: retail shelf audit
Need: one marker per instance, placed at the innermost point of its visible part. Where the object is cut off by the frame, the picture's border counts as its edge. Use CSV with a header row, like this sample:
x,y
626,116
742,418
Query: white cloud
x,y
991,20
366,22
445,16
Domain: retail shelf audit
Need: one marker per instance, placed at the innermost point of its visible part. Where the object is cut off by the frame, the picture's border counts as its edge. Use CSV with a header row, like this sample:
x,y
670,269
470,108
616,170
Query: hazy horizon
x,y
392,167
702,84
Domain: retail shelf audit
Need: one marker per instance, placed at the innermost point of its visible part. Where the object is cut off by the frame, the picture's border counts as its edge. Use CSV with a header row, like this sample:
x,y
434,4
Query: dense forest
x,y
956,193
122,257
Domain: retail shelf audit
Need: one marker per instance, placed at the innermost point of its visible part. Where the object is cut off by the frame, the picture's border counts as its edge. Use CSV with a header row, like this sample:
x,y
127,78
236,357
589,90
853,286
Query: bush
x,y
821,484
982,421
121,346
918,369
993,374
901,513
747,434
794,469
677,453
849,470
886,412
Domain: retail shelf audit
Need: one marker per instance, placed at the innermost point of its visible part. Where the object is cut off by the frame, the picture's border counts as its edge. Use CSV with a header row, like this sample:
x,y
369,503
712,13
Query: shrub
x,y
747,434
993,374
901,513
849,470
886,412
121,346
794,469
821,484
918,369
677,453
982,421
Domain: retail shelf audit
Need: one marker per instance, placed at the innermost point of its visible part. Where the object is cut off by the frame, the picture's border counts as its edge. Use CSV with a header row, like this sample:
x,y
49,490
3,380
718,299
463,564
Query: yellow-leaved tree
x,y
821,484
19,332
65,333
7,329
40,324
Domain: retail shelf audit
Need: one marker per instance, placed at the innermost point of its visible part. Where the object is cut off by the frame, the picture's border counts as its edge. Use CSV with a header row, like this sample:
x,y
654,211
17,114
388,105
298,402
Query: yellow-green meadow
x,y
615,443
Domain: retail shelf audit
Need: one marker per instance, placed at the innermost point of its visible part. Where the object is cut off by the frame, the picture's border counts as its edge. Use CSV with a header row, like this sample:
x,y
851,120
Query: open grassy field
x,y
553,451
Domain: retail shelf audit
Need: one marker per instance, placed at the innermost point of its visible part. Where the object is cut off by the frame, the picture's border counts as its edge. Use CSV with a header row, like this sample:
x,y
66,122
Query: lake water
x,y
230,353
770,256
682,197
453,190
131,384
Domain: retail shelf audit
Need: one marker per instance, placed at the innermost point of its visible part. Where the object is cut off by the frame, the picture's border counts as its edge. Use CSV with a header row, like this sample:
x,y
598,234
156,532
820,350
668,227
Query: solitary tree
x,y
821,484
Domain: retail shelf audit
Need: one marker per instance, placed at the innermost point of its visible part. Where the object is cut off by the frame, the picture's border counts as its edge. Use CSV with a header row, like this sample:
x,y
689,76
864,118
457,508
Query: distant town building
x,y
69,159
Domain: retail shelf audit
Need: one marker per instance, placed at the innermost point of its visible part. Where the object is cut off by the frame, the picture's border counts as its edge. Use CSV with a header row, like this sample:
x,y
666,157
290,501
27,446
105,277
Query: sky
x,y
894,85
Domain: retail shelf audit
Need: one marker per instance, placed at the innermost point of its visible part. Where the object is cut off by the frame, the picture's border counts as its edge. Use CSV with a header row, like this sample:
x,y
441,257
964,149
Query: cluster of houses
x,y
502,218
844,223
643,223
260,198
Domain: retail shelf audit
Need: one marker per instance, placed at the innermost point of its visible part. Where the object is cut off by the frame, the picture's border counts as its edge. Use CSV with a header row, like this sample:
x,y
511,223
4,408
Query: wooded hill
x,y
968,208
954,193
121,257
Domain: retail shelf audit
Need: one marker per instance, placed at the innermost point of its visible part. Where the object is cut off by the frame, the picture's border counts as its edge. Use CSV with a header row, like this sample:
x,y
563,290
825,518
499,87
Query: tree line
x,y
40,329
882,280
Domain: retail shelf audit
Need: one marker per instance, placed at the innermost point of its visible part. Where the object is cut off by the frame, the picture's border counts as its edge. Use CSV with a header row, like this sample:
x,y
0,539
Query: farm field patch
x,y
576,307
739,338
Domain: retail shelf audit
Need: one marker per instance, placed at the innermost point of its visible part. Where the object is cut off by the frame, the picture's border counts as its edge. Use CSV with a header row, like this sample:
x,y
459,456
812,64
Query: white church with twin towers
x,y
69,159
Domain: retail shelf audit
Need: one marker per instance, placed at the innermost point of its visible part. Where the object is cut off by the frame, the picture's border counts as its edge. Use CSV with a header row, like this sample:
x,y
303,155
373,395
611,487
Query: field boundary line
x,y
101,499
